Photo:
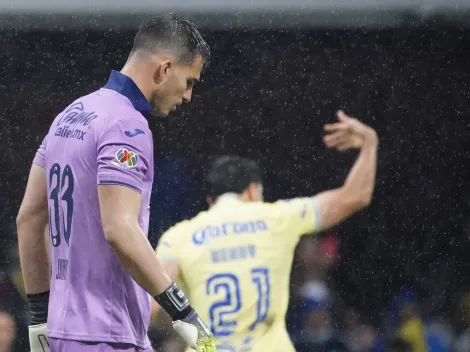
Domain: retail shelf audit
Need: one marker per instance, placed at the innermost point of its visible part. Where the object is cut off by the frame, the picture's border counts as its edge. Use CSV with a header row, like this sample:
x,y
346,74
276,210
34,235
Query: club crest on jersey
x,y
126,159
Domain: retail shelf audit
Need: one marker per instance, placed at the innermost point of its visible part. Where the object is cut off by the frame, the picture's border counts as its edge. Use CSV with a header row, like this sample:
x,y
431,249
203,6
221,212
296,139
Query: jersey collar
x,y
126,86
228,197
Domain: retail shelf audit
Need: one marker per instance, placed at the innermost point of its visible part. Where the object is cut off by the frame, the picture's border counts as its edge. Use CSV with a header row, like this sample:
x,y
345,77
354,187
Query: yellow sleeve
x,y
167,247
300,215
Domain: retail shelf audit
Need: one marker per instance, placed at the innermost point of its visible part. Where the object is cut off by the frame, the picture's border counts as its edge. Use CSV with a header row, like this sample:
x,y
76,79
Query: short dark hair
x,y
232,174
172,32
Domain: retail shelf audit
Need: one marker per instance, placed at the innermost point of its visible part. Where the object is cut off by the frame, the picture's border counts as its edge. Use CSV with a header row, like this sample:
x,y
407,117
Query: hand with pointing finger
x,y
349,133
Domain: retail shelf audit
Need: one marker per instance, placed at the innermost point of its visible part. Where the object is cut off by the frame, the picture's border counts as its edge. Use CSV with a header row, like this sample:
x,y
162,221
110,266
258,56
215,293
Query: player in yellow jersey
x,y
235,259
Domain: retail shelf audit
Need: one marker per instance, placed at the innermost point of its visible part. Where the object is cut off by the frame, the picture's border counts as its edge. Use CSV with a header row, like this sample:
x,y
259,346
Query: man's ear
x,y
210,201
252,192
163,72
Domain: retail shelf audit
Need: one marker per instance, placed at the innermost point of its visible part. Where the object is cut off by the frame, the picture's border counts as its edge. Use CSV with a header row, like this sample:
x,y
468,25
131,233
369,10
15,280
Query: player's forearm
x,y
172,269
138,258
34,253
360,182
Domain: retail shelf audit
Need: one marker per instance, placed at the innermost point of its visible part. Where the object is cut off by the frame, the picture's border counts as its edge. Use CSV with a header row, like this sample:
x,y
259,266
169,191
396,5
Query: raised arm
x,y
356,193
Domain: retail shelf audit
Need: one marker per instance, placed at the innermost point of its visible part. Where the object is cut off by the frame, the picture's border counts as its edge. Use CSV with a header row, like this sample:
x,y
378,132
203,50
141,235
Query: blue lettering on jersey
x,y
74,116
225,347
62,265
247,345
66,132
233,253
135,133
205,235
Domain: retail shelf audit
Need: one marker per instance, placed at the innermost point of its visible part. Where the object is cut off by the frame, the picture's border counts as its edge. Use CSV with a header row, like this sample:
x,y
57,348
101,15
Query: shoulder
x,y
178,229
189,227
289,209
128,124
117,109
270,208
293,204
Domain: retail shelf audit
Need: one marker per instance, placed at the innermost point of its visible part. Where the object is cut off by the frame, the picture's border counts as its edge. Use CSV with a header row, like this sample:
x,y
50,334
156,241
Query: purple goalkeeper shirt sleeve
x,y
124,154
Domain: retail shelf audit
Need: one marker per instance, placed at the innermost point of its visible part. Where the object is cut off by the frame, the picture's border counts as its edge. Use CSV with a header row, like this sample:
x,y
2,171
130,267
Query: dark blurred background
x,y
266,95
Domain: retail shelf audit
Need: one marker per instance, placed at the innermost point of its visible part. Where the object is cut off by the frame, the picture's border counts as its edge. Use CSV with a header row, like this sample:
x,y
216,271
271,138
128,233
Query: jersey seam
x,y
316,211
103,176
91,338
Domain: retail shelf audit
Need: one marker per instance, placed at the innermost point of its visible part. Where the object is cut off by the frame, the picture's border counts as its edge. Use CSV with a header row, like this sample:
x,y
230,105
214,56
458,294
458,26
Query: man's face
x,y
177,86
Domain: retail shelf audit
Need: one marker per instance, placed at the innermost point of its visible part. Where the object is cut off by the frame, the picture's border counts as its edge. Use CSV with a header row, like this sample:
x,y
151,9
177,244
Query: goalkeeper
x,y
91,180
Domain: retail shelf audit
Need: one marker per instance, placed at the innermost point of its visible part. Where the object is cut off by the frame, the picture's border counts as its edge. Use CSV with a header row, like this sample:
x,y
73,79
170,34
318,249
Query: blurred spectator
x,y
462,324
315,257
441,332
411,328
318,333
12,294
174,195
403,321
359,337
397,344
7,332
318,256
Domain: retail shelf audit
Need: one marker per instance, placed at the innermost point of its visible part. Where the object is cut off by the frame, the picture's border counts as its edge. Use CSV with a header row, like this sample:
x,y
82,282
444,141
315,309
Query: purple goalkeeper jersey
x,y
100,139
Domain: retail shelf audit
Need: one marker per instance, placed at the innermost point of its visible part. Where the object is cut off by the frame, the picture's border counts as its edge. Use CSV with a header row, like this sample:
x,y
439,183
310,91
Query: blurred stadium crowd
x,y
393,278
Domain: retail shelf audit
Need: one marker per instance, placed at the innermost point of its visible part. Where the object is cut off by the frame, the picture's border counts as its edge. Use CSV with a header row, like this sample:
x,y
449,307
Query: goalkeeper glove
x,y
38,306
38,341
186,321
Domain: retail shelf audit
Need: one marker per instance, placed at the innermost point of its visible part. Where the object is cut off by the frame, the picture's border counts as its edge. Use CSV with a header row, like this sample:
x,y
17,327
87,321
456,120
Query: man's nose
x,y
187,95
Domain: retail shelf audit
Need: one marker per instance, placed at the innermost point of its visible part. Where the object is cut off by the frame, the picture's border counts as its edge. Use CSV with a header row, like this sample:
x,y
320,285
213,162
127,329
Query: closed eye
x,y
191,82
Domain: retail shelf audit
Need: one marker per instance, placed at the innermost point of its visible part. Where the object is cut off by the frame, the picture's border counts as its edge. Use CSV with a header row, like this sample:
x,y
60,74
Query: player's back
x,y
92,297
235,260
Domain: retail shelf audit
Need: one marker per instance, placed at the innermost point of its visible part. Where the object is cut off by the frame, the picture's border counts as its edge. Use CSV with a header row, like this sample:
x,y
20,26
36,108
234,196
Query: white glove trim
x,y
38,341
188,332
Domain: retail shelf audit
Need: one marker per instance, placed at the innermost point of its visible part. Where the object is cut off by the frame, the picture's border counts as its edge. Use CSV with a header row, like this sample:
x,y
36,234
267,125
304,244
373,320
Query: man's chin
x,y
161,113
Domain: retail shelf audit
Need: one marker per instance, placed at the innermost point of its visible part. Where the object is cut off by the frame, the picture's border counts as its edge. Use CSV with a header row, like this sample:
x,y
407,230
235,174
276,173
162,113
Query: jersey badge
x,y
126,159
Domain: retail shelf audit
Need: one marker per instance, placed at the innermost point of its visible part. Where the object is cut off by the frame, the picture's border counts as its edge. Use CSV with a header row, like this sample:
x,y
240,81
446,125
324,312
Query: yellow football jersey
x,y
235,261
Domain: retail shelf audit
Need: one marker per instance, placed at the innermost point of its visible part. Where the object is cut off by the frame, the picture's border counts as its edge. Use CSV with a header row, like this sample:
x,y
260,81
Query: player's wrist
x,y
370,138
174,302
38,307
